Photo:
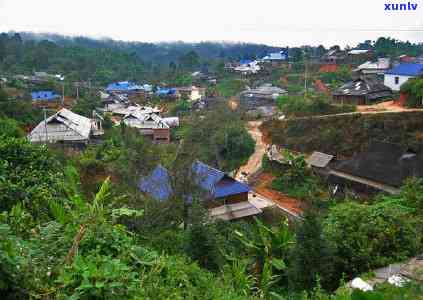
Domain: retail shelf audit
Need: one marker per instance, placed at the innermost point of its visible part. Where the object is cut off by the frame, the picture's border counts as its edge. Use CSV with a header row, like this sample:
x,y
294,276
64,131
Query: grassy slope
x,y
345,135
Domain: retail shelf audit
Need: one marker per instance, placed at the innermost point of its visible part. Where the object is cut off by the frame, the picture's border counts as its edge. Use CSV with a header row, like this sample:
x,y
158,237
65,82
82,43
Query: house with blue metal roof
x,y
165,91
124,87
276,56
400,74
44,96
218,187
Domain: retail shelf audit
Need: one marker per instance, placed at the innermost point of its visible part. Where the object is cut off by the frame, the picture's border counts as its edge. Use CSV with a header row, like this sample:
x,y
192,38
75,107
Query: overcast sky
x,y
275,22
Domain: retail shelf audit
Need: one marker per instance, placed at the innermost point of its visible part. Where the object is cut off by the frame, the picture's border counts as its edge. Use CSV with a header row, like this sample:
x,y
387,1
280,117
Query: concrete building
x,y
400,74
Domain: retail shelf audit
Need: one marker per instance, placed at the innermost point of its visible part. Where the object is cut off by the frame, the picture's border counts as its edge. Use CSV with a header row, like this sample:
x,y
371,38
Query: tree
x,y
202,244
369,236
311,257
10,128
227,144
190,60
414,90
28,175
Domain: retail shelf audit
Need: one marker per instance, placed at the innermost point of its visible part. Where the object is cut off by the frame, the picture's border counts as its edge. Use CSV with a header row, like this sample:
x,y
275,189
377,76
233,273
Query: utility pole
x,y
45,124
77,92
305,74
63,93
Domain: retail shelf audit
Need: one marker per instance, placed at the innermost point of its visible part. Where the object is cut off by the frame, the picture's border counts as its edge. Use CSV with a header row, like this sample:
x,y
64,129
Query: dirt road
x,y
290,204
254,163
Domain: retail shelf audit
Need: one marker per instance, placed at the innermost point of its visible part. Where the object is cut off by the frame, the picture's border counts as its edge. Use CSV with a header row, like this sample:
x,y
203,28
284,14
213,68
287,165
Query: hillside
x,y
345,135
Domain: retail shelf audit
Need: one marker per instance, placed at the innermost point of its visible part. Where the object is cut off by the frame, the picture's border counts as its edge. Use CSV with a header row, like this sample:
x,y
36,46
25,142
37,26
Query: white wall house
x,y
400,74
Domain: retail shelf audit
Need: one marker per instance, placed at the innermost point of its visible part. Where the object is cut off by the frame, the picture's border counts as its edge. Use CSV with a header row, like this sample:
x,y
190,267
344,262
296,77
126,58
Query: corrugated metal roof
x,y
124,86
229,186
77,123
319,160
234,211
281,55
380,64
44,95
165,91
139,119
362,87
359,51
213,181
245,62
407,70
157,185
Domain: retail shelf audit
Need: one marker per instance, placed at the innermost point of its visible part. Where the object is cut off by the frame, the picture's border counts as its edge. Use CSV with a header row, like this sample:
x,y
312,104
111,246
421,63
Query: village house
x,y
199,76
40,77
191,93
382,167
225,197
45,96
400,74
265,94
334,56
3,81
46,99
149,125
378,67
128,87
66,127
361,91
356,56
147,120
247,66
167,93
113,101
276,58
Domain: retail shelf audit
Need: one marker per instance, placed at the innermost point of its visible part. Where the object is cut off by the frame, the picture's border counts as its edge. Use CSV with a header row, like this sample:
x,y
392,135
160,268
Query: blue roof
x,y
157,185
216,183
44,95
245,61
123,86
206,176
407,70
166,91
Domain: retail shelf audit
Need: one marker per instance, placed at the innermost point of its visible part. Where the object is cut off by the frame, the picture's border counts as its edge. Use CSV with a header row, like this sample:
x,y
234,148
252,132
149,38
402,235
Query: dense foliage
x,y
311,105
413,89
220,139
74,225
345,135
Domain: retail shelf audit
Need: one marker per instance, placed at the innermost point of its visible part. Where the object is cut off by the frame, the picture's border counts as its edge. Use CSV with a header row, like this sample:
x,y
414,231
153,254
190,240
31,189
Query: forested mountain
x,y
83,58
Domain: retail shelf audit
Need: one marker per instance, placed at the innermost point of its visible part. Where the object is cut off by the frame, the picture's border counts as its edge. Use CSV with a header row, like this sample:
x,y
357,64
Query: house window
x,y
396,80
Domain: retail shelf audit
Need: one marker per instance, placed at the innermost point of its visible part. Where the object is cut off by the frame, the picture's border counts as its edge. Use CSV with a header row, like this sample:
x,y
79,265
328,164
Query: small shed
x,y
319,160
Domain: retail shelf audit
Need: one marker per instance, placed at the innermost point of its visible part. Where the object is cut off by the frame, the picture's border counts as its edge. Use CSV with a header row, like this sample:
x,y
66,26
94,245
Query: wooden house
x,y
150,125
382,167
66,127
361,91
218,187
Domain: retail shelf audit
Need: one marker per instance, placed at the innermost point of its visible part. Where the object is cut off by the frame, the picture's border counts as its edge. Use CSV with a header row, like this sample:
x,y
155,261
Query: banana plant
x,y
267,250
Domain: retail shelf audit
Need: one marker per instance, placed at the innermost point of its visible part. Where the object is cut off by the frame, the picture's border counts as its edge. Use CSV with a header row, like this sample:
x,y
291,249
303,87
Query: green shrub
x,y
370,236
